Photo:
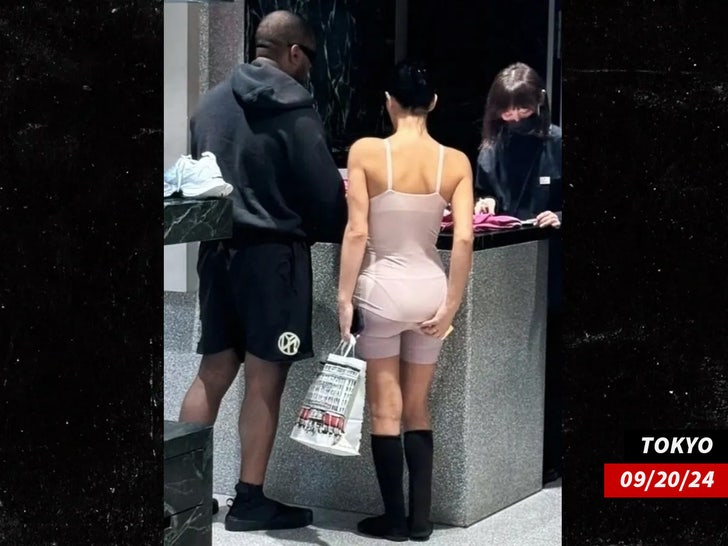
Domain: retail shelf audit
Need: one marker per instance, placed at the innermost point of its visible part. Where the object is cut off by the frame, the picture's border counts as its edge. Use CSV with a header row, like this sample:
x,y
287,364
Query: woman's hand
x,y
346,314
548,219
438,325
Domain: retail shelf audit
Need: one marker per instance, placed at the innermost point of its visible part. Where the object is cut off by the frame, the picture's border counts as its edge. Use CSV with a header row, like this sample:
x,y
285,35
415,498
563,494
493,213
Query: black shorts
x,y
256,298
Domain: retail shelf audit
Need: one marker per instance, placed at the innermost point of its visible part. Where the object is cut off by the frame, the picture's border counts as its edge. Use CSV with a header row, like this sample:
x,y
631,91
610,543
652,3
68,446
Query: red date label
x,y
666,480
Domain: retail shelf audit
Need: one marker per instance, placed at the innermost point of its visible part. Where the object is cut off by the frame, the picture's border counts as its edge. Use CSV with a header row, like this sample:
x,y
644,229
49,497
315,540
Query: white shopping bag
x,y
332,413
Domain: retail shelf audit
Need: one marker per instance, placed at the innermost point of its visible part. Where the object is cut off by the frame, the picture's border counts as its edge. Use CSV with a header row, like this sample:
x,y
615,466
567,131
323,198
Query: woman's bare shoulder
x,y
363,145
460,161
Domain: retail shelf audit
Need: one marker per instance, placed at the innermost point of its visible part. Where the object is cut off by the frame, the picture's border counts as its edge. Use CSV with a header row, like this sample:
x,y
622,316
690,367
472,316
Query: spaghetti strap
x,y
388,149
440,163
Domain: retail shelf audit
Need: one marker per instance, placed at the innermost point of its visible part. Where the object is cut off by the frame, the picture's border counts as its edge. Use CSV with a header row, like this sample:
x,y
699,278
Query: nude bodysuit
x,y
402,278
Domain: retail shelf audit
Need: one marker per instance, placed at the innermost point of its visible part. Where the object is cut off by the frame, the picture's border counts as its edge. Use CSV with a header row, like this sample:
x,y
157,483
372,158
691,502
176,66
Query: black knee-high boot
x,y
418,451
389,465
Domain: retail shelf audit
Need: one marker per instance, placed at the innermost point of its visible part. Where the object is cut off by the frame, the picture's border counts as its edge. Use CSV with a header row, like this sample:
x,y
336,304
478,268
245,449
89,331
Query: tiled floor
x,y
535,521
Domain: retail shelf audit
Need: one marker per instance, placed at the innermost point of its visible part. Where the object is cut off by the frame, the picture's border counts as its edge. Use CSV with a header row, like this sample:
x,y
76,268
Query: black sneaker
x,y
381,527
253,511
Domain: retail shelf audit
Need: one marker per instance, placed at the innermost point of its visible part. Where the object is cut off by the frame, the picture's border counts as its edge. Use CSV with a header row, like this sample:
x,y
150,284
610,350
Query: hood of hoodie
x,y
262,86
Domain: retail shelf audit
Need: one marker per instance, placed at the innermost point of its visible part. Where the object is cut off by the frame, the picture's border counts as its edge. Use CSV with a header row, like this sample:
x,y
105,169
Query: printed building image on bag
x,y
332,414
329,399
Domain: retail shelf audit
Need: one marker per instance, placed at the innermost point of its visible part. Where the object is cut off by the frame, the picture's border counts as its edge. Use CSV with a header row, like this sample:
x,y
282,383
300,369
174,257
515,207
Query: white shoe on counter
x,y
197,178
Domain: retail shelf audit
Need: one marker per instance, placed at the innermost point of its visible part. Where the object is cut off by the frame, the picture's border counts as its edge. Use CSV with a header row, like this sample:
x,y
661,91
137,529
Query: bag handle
x,y
346,347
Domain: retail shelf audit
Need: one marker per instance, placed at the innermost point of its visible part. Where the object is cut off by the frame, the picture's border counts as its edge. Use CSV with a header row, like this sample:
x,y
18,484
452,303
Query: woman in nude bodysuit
x,y
390,269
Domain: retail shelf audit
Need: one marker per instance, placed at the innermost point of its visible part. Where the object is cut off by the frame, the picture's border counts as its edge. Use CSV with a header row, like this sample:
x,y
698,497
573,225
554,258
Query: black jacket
x,y
522,173
270,145
514,171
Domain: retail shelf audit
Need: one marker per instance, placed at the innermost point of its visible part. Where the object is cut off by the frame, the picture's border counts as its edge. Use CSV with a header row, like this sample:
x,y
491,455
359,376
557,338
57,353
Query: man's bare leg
x,y
252,510
258,421
202,401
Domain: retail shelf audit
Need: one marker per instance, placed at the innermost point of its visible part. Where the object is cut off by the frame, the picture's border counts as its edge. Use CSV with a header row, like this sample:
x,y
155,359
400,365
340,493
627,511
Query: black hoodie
x,y
270,145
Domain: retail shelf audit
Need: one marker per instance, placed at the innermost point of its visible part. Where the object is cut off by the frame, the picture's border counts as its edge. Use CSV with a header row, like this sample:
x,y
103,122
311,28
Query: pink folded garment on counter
x,y
484,221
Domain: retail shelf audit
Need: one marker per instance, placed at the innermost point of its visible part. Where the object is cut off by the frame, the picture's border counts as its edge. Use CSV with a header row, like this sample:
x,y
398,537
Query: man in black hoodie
x,y
255,289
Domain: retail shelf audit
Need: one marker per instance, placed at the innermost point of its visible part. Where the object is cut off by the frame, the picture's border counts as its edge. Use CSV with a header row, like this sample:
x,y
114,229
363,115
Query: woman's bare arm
x,y
355,234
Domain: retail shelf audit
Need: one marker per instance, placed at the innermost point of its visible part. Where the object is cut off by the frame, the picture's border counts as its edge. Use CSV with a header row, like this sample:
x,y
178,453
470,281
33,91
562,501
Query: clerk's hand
x,y
346,314
548,219
485,205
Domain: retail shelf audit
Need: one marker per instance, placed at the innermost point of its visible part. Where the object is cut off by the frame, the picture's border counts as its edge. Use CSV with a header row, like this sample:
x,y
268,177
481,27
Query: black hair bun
x,y
411,85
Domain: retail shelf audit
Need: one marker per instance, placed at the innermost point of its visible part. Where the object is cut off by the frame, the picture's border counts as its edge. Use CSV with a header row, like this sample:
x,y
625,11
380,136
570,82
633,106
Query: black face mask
x,y
524,126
